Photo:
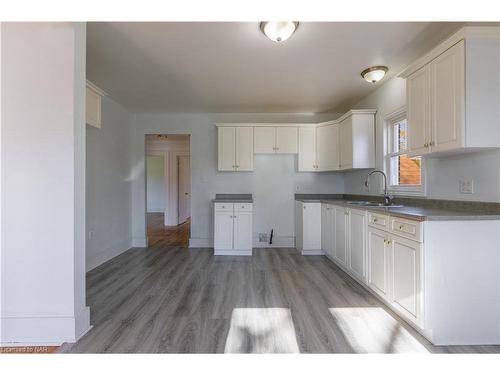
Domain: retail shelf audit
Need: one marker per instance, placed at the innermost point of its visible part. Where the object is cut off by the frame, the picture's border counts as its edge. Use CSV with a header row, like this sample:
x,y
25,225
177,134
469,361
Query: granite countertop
x,y
414,211
234,198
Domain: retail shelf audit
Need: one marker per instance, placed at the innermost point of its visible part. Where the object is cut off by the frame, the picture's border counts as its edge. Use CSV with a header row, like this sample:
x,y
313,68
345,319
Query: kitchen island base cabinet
x,y
308,228
233,229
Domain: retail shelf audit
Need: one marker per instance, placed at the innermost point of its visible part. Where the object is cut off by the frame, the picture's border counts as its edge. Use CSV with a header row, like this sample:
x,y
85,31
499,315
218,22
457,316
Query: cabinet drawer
x,y
406,228
378,221
243,206
224,206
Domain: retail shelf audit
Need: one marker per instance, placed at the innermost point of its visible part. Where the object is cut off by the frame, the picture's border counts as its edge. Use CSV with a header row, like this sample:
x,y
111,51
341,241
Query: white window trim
x,y
400,190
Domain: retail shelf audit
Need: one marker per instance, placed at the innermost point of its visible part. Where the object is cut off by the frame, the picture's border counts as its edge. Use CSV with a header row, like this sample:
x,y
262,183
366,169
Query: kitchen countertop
x,y
234,198
413,212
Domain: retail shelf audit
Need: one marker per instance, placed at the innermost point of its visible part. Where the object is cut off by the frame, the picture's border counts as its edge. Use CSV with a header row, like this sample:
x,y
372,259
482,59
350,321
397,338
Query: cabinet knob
x,y
375,220
431,143
401,227
426,145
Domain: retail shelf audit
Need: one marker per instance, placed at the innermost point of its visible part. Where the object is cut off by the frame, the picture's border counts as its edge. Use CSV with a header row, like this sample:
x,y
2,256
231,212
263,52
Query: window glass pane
x,y
409,170
402,136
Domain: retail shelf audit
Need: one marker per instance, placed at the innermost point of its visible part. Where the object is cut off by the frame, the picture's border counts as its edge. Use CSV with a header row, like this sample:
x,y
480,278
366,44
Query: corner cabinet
x,y
235,146
453,94
233,228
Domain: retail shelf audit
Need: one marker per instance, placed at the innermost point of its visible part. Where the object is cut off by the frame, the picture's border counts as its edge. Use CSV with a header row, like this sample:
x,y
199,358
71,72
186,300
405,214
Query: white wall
x,y
272,183
43,294
443,173
108,185
156,184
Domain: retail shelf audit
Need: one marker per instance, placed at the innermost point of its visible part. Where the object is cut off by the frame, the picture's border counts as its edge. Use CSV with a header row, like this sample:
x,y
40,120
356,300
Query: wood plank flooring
x,y
159,234
178,300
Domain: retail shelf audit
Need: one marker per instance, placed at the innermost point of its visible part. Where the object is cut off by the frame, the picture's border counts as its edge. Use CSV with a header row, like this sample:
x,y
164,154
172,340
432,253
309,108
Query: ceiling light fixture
x,y
374,74
278,31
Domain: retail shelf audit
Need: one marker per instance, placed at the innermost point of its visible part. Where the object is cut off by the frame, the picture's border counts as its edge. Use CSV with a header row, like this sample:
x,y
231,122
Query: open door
x,y
184,173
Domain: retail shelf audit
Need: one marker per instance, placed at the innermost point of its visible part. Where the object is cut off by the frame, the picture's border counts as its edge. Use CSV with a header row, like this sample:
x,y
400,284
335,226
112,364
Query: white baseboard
x,y
139,242
245,252
201,242
38,331
313,252
278,242
108,253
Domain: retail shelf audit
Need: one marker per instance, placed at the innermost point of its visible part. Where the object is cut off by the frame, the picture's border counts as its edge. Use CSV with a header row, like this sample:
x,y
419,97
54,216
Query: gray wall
x,y
273,183
108,185
443,173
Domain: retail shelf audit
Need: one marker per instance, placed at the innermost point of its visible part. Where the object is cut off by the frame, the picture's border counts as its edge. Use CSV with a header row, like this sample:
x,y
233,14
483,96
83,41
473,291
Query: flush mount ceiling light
x,y
278,31
374,74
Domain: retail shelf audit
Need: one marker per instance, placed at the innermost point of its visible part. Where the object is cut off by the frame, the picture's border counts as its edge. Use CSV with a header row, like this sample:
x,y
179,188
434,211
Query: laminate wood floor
x,y
166,236
277,301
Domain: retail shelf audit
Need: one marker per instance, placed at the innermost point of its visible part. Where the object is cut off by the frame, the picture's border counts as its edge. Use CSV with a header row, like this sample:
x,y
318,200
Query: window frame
x,y
403,190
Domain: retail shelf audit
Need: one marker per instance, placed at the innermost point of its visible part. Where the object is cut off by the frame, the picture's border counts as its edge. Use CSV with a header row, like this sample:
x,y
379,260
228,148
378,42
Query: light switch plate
x,y
466,186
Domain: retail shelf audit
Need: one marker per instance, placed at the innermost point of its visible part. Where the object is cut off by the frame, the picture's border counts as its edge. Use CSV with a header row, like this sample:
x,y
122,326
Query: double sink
x,y
372,204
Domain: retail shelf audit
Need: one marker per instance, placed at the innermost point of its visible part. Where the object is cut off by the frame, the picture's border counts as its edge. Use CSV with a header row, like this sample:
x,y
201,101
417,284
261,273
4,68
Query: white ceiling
x,y
232,67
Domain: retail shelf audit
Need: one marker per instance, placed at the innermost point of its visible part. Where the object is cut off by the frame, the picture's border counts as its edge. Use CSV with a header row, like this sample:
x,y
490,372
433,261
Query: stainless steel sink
x,y
372,204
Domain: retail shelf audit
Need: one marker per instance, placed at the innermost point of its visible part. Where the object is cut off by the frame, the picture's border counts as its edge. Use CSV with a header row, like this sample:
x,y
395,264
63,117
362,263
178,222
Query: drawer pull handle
x,y
375,220
401,227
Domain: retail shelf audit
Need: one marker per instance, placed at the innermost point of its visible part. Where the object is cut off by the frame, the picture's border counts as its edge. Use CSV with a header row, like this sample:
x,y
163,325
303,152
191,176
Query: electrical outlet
x,y
466,186
91,234
262,237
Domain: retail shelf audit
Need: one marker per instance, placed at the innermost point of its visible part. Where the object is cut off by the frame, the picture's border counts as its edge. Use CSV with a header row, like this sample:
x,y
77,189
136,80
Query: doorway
x,y
168,190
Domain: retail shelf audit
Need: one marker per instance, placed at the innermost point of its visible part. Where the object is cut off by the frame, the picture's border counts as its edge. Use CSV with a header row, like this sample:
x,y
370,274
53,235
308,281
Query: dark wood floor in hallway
x,y
179,300
161,235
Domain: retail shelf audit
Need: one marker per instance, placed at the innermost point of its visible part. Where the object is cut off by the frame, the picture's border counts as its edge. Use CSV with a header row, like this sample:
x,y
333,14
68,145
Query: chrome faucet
x,y
387,197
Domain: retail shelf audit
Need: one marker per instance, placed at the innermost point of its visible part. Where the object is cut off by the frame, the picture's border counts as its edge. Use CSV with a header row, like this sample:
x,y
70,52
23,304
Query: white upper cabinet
x,y
357,140
244,149
307,150
453,94
327,144
264,140
287,140
235,148
342,144
275,139
93,97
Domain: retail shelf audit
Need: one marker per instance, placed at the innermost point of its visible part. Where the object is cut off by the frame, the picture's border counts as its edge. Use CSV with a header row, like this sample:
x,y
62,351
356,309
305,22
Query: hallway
x,y
159,234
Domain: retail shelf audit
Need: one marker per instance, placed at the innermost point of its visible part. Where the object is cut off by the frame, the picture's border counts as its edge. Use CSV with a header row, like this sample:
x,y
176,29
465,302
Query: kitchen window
x,y
405,174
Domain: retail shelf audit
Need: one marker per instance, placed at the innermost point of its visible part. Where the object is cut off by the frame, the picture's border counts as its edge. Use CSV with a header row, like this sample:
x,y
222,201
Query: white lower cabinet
x,y
340,226
378,262
368,247
308,228
406,277
233,229
356,262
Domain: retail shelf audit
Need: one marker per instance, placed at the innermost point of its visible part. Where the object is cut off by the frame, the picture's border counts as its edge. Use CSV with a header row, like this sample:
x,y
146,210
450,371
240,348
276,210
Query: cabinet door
x,y
244,148
326,229
418,111
340,235
307,150
406,259
242,230
345,142
223,230
448,99
286,140
357,243
264,140
311,221
227,148
378,262
327,148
